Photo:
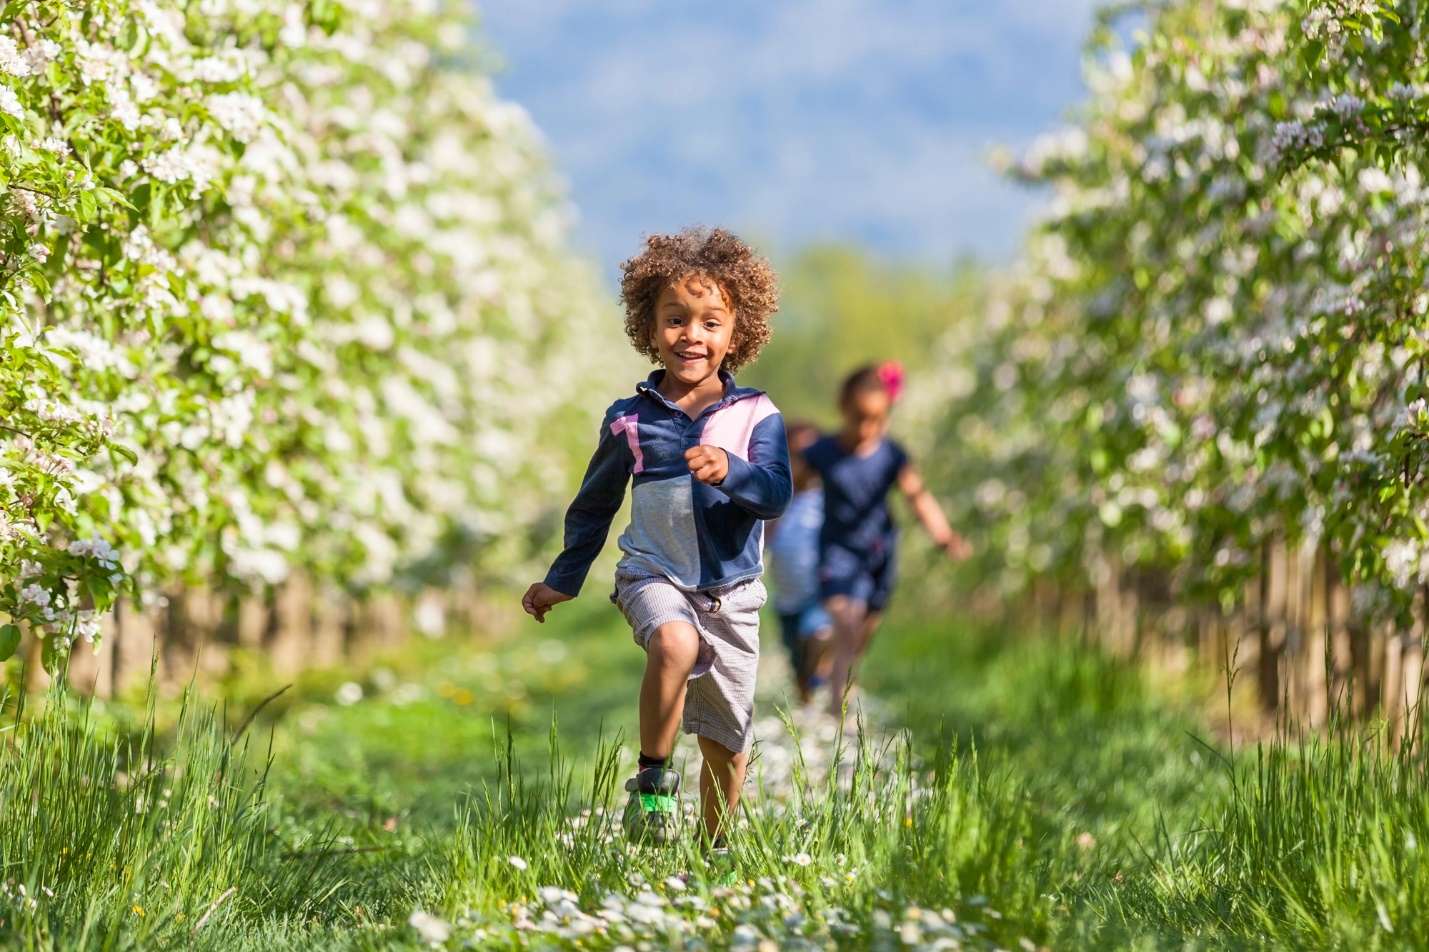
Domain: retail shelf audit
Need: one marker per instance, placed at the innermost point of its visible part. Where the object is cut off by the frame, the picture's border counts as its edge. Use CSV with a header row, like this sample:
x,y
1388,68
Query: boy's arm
x,y
590,513
761,484
930,514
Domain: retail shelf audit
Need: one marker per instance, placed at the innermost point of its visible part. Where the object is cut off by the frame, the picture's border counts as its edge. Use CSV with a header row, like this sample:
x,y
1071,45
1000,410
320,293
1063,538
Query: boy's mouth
x,y
691,357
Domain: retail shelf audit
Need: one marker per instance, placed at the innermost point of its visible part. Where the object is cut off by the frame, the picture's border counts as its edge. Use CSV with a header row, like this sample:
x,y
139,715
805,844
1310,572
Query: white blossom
x,y
34,595
10,103
172,166
12,60
95,548
53,144
42,52
239,113
1345,106
218,69
1401,560
1294,136
123,111
87,626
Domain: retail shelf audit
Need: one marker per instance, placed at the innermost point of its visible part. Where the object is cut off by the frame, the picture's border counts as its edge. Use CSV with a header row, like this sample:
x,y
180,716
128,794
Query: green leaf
x,y
114,195
101,590
9,641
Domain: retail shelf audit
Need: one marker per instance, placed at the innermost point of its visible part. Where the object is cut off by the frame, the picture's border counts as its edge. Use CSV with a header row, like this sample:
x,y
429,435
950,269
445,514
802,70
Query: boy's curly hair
x,y
747,281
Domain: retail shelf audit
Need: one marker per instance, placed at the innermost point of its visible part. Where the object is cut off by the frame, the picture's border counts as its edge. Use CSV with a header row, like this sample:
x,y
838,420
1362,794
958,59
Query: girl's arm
x,y
930,514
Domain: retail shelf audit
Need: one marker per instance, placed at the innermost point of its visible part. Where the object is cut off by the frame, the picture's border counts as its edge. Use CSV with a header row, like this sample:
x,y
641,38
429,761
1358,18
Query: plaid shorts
x,y
719,702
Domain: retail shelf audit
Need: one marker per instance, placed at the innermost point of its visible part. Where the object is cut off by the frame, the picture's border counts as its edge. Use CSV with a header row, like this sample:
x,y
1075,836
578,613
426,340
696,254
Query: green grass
x,y
1033,794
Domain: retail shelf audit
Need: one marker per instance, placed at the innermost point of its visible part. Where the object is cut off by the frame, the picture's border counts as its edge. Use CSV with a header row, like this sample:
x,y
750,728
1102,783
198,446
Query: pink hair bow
x,y
891,376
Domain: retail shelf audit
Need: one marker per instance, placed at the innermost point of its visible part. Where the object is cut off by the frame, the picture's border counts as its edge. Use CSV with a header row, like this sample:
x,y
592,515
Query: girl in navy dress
x,y
858,543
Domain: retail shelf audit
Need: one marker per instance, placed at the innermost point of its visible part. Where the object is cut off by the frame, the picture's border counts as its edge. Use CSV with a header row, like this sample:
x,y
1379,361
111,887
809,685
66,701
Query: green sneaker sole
x,y
652,819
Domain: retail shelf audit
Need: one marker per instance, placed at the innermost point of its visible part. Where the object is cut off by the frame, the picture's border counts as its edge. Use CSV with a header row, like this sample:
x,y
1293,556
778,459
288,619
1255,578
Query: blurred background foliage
x,y
844,305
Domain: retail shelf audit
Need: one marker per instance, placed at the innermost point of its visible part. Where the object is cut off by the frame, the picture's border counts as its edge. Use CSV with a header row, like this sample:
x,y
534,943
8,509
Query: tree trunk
x,y
1316,645
1273,589
330,612
290,644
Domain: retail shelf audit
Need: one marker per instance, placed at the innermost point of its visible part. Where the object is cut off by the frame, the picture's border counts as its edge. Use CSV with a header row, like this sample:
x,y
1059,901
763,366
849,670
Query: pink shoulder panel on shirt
x,y
732,427
630,426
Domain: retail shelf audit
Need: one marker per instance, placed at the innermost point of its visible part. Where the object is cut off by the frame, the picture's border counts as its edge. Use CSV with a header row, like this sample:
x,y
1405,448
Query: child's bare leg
x,y
871,621
670,657
720,783
819,653
849,616
819,658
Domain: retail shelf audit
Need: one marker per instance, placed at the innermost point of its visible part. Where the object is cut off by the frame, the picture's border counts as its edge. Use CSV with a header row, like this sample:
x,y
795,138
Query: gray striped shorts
x,y
719,701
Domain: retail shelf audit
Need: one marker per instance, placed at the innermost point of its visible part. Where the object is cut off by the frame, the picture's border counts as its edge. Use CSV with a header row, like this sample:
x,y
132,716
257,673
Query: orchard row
x,y
1217,337
282,286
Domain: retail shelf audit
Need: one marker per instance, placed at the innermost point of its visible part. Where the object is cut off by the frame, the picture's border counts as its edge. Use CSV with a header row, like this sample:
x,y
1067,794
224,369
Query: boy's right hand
x,y
541,598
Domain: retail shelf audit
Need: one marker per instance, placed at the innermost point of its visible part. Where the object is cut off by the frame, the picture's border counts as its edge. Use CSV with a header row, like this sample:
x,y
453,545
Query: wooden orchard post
x,y
1315,643
1273,589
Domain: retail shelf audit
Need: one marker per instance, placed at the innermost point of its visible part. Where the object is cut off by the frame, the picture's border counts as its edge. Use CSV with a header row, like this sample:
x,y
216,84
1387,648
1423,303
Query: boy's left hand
x,y
958,548
709,464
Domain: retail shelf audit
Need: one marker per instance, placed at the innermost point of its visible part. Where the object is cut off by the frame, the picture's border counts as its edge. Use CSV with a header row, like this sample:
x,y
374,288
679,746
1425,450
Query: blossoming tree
x,y
1218,334
282,285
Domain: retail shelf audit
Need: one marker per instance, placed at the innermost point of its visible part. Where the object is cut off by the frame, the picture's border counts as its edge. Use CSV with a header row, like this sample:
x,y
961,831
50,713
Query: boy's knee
x,y
674,643
719,757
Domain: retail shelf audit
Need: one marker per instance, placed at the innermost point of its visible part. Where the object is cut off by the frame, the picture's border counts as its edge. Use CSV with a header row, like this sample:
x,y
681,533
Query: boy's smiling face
x,y
694,326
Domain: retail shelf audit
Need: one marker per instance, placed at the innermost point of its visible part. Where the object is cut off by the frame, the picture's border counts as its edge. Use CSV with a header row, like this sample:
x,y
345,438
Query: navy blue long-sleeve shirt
x,y
699,536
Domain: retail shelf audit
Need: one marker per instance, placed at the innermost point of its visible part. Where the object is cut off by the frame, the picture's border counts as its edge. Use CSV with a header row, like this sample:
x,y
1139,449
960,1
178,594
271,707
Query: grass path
x,y
1034,796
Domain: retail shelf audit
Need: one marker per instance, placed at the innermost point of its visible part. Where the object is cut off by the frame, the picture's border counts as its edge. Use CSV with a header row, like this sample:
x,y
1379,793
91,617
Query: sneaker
x,y
652,814
721,865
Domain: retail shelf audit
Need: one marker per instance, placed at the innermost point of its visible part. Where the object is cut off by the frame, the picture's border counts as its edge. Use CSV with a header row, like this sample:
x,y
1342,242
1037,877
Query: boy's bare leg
x,y
850,617
670,657
720,783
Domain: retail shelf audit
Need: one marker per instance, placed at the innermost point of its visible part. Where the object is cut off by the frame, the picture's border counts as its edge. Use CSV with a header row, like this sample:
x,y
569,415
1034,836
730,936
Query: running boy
x,y
858,544
794,567
709,462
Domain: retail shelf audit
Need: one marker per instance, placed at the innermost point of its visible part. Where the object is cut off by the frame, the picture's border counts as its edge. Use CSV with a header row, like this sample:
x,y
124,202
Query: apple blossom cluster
x,y
284,286
1218,334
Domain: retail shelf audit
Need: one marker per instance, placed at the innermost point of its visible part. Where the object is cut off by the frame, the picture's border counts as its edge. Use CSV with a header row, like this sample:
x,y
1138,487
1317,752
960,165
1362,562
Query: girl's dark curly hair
x,y
747,282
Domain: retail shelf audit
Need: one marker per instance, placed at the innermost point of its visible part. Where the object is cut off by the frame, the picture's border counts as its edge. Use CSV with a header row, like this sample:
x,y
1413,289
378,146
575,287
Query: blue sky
x,y
793,120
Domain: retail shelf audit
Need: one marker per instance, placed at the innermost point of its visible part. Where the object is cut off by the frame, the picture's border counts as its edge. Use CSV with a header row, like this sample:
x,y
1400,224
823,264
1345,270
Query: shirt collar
x,y
732,390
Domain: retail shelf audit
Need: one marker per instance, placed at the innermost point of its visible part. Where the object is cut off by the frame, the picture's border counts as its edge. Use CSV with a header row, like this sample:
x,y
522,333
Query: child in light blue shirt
x,y
793,569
